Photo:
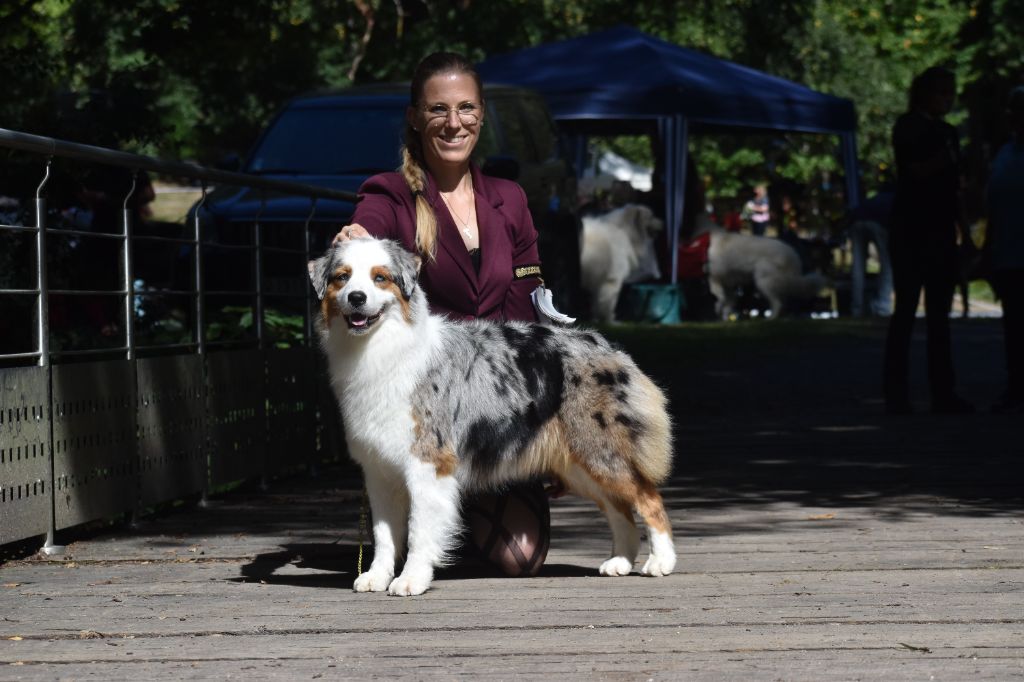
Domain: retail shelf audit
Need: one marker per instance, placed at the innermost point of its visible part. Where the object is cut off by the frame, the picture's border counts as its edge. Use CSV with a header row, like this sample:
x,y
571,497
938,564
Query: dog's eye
x,y
343,277
380,278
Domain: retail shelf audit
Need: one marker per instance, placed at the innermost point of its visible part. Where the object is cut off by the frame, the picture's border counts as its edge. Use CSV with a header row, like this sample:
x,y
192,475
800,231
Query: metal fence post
x,y
129,281
309,301
50,545
314,470
197,238
129,325
198,256
257,243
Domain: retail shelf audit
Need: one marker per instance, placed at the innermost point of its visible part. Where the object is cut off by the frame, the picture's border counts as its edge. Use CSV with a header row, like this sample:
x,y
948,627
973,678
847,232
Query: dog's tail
x,y
653,459
615,424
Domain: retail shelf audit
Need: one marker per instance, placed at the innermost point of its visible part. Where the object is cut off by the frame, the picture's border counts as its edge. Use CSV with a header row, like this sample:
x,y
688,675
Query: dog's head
x,y
640,224
363,281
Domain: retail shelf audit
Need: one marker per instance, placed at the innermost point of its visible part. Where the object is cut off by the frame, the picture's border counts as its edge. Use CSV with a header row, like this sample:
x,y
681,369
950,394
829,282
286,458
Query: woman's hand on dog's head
x,y
353,231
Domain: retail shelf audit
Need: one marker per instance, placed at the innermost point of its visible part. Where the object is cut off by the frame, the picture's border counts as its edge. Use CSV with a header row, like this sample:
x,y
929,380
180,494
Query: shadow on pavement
x,y
801,420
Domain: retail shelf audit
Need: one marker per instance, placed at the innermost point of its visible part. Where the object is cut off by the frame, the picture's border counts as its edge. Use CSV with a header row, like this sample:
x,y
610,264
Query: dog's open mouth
x,y
358,322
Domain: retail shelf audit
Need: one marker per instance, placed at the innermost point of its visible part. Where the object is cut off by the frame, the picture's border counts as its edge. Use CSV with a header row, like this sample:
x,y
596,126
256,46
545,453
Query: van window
x,y
321,141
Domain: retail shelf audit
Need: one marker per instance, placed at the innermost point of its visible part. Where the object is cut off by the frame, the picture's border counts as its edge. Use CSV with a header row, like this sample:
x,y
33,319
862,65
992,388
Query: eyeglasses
x,y
469,113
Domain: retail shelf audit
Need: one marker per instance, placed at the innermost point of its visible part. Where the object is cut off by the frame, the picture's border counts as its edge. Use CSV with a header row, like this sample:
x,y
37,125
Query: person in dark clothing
x,y
1004,246
923,241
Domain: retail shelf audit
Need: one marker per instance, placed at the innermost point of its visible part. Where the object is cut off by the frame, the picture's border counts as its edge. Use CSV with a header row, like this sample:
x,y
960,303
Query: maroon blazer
x,y
509,263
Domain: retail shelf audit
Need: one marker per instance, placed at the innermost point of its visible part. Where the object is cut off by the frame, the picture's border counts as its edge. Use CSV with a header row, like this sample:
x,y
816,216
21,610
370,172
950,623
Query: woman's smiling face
x,y
448,118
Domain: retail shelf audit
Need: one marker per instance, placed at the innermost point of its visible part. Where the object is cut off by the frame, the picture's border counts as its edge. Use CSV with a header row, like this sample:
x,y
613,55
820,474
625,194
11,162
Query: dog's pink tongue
x,y
358,320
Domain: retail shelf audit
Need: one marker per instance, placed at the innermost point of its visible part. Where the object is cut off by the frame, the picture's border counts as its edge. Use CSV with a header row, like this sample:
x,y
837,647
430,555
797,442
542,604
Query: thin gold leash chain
x,y
362,533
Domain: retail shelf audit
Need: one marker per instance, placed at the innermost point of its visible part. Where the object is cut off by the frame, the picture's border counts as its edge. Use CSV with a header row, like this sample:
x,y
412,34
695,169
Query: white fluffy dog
x,y
771,265
617,249
434,407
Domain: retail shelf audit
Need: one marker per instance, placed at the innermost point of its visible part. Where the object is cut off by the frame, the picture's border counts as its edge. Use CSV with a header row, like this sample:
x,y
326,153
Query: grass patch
x,y
980,290
172,203
668,344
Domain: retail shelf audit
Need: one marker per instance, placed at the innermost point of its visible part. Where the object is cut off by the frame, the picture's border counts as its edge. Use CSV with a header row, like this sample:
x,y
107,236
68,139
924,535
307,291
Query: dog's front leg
x,y
389,504
723,303
606,299
433,520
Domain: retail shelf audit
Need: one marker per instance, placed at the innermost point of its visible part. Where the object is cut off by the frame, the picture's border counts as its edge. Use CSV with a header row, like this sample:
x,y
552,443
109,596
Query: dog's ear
x,y
639,219
407,269
636,214
318,270
409,274
655,224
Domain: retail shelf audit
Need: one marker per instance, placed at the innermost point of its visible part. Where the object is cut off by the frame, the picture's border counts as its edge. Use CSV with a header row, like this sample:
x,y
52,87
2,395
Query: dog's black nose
x,y
357,298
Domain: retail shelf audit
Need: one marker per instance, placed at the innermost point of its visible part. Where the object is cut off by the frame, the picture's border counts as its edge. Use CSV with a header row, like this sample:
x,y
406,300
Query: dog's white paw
x,y
372,581
408,586
659,565
617,565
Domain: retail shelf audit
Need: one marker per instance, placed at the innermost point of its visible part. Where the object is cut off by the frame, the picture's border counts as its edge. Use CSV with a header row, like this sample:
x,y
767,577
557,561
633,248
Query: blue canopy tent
x,y
622,79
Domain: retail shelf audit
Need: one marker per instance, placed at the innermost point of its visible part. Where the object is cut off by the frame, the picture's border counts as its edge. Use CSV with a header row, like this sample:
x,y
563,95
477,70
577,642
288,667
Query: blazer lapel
x,y
490,220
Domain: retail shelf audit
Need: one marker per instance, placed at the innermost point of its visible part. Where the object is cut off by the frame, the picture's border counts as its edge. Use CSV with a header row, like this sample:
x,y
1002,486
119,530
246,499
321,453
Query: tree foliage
x,y
198,78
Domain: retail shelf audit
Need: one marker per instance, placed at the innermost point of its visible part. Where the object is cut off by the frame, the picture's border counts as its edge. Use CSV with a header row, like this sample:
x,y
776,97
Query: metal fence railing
x,y
142,363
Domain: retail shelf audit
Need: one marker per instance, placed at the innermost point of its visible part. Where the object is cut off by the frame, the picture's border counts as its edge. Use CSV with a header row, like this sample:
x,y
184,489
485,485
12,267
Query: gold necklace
x,y
465,224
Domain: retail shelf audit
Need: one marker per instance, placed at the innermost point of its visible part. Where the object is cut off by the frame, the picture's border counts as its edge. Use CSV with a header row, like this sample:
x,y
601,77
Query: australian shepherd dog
x,y
435,408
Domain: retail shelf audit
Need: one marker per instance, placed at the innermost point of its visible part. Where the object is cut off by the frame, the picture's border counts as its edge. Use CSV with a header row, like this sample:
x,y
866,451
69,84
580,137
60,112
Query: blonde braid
x,y
415,177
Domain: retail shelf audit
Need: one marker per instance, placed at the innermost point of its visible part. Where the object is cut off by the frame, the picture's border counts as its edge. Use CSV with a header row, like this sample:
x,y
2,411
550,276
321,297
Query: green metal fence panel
x,y
25,483
172,428
236,415
291,409
94,444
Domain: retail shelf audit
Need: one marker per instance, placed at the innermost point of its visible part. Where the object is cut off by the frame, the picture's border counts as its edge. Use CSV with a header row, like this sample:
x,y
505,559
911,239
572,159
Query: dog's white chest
x,y
377,391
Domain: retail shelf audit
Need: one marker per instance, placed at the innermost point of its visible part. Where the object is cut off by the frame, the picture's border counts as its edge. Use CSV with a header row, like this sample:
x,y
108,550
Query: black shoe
x,y
952,405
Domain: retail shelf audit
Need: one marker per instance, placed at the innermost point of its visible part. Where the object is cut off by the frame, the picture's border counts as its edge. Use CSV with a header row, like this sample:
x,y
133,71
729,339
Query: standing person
x,y
923,241
479,249
757,210
1004,248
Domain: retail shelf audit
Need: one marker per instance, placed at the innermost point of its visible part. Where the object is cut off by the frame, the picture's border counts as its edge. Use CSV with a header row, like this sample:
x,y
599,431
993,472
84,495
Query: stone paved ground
x,y
819,540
